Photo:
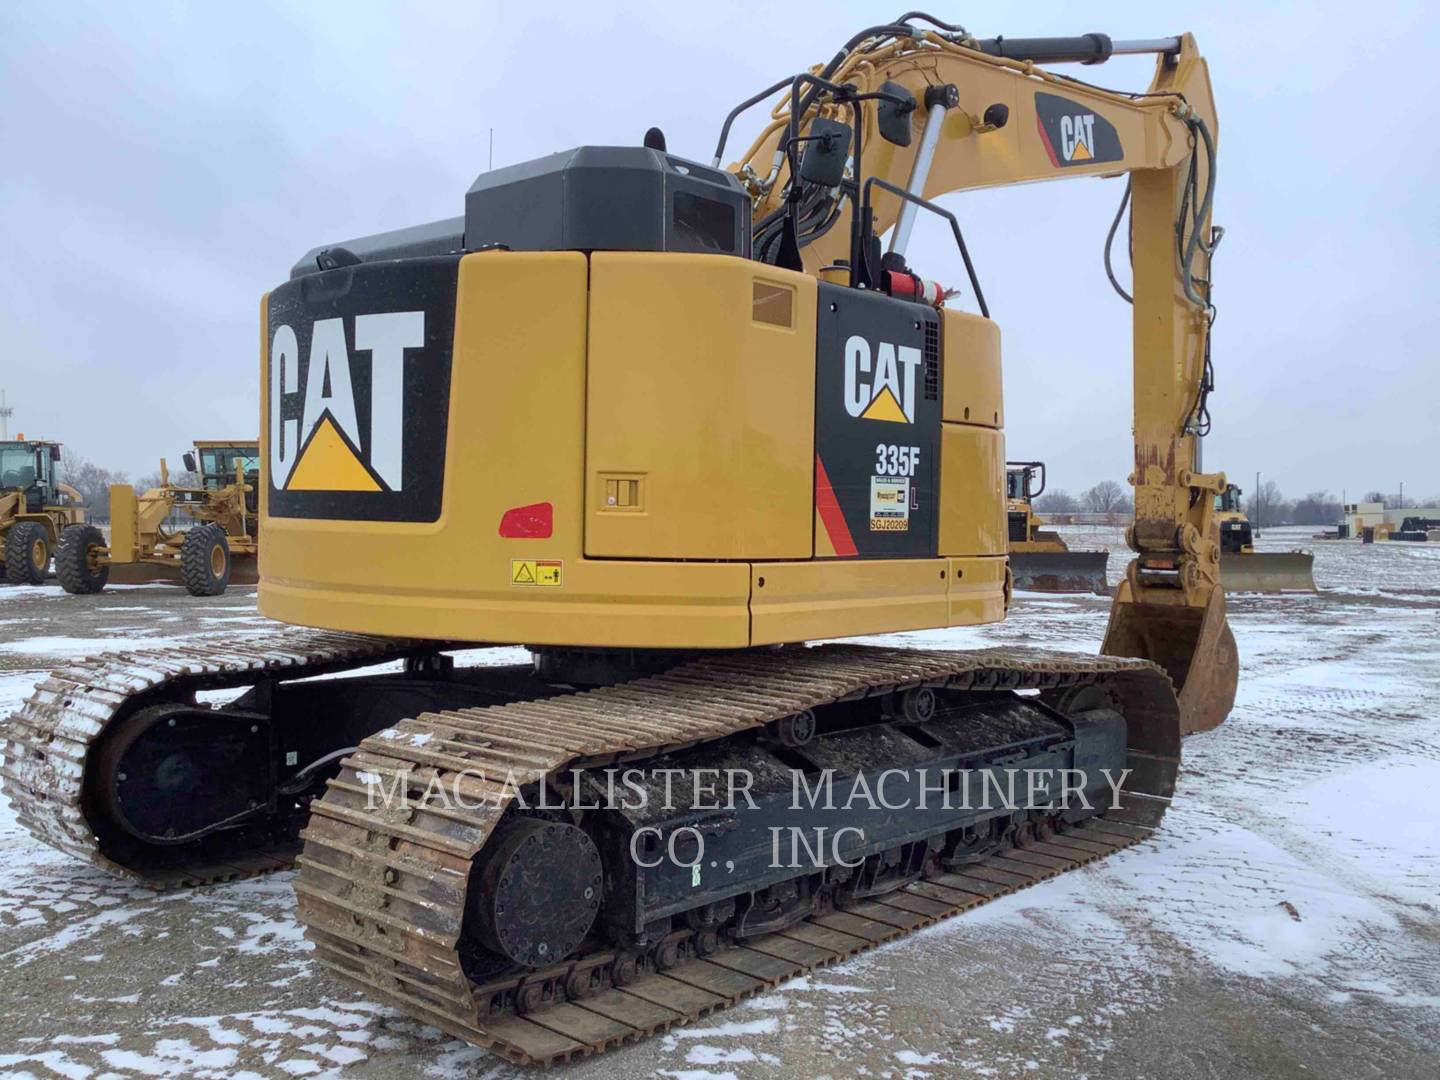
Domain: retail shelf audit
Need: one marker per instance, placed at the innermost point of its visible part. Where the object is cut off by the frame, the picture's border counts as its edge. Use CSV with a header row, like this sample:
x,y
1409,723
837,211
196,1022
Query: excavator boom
x,y
992,117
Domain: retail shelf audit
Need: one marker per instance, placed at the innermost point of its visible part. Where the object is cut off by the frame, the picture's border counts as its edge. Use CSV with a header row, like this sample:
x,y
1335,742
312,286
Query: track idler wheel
x,y
172,773
538,891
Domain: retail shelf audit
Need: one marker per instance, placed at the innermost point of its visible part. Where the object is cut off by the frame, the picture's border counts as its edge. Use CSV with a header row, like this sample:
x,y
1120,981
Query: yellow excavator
x,y
1040,559
1242,568
666,422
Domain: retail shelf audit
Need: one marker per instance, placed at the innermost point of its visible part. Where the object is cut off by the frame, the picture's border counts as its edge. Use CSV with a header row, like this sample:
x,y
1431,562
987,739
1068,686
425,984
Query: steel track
x,y
382,888
47,742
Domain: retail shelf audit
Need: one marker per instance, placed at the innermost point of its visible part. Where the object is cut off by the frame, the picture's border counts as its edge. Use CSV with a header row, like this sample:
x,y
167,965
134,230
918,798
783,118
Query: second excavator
x,y
666,422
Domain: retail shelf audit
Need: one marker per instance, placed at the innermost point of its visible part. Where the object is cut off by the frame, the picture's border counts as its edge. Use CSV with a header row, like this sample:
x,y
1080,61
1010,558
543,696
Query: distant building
x,y
1360,515
1385,520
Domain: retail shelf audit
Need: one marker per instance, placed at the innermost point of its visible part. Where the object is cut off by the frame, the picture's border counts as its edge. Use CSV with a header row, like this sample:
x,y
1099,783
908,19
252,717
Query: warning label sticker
x,y
889,504
536,571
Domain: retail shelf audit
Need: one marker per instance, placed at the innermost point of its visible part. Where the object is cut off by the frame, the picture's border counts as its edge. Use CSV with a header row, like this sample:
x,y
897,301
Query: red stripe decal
x,y
1045,141
830,514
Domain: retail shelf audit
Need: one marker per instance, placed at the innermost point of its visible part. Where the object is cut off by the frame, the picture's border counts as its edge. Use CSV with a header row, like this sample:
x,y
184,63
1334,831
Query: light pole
x,y
1402,495
1256,529
5,413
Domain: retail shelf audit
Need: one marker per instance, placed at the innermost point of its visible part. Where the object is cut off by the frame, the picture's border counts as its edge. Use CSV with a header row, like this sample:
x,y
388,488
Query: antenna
x,y
6,412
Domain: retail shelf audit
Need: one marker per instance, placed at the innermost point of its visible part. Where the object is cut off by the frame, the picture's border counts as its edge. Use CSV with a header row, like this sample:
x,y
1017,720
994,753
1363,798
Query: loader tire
x,y
27,554
205,561
72,560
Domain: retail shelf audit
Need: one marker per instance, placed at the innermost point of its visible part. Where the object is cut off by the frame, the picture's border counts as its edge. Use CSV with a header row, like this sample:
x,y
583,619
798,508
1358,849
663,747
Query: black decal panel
x,y
877,424
1074,134
363,437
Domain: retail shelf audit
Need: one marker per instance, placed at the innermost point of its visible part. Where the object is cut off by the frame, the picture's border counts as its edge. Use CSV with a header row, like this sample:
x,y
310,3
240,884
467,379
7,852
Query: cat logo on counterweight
x,y
357,391
880,382
321,450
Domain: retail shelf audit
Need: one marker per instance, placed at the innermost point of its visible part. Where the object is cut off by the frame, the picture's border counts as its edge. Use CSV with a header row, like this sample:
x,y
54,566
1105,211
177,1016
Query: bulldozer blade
x,y
1060,571
1193,645
1268,572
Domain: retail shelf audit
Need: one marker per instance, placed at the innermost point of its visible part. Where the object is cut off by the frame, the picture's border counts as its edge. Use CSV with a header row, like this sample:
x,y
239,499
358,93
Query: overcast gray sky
x,y
164,165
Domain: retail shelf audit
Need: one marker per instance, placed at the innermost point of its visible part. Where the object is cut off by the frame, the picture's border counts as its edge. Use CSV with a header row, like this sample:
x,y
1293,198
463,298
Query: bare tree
x,y
91,481
1317,508
1268,506
1057,502
178,477
1106,497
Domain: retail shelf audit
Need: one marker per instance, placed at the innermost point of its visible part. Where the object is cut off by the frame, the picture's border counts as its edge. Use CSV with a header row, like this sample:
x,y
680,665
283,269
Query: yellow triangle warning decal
x,y
524,575
885,407
329,465
1081,153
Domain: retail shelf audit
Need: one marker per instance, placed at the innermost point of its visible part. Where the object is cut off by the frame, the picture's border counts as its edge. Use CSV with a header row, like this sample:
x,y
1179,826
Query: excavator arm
x,y
984,114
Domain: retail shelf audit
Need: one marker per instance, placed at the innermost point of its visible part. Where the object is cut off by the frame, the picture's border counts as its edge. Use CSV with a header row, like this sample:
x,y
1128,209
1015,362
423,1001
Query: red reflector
x,y
533,522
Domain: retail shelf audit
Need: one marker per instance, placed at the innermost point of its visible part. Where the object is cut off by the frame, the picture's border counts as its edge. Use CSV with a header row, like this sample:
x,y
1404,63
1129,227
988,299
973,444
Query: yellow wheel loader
x,y
667,423
36,508
1040,560
218,550
1242,568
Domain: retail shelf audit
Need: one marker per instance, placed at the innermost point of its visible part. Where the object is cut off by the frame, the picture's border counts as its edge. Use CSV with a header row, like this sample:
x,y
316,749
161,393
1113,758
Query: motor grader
x,y
1040,560
36,507
667,423
219,549
1242,568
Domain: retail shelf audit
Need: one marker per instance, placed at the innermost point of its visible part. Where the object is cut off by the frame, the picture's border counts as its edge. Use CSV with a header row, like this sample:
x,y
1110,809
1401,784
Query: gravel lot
x,y
1283,923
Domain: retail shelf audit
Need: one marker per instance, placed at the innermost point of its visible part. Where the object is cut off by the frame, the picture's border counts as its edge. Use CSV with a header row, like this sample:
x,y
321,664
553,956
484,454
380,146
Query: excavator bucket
x,y
1193,645
1268,572
1060,571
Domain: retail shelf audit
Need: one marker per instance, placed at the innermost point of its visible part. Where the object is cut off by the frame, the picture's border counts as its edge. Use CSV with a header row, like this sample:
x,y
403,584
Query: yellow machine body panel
x,y
972,469
700,408
683,386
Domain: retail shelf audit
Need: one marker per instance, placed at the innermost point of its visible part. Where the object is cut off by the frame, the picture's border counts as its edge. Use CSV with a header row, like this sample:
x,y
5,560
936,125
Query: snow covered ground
x,y
1283,923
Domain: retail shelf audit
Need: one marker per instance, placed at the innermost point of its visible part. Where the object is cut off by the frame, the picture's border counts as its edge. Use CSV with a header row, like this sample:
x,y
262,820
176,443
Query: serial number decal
x,y
889,504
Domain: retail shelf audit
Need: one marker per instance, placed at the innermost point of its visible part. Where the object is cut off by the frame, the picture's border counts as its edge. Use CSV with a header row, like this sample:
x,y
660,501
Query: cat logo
x,y
1074,135
1077,136
880,385
321,448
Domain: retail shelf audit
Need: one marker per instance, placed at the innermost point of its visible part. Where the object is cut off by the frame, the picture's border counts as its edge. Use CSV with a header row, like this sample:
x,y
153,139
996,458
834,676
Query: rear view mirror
x,y
895,116
826,150
54,453
189,460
